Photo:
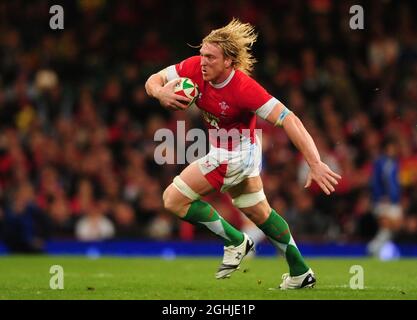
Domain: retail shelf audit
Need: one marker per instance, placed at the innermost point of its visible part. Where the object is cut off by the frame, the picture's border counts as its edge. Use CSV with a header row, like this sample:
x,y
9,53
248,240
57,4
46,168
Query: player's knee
x,y
254,206
178,196
168,199
249,199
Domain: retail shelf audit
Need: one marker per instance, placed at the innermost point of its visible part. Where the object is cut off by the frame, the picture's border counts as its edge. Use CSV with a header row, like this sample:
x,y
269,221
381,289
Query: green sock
x,y
203,213
277,230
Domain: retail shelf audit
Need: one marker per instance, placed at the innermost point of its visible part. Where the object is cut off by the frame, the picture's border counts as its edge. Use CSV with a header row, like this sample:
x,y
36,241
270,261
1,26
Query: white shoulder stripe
x,y
171,73
266,109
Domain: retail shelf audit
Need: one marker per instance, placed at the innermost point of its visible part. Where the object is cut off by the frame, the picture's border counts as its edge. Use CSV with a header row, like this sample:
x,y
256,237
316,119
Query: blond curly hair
x,y
236,39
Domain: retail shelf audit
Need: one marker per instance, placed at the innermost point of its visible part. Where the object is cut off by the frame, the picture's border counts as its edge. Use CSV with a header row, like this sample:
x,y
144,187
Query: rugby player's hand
x,y
324,177
169,99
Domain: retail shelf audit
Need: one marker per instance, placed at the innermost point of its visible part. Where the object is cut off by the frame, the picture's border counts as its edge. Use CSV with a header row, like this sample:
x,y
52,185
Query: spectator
x,y
76,123
26,227
309,224
94,225
125,222
62,221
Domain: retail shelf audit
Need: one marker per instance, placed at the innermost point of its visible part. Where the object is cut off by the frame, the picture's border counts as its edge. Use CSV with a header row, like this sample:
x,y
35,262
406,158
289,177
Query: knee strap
x,y
185,189
249,199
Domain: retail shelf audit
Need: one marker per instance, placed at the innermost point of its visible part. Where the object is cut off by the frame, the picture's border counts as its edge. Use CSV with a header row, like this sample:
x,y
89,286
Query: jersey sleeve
x,y
256,99
188,68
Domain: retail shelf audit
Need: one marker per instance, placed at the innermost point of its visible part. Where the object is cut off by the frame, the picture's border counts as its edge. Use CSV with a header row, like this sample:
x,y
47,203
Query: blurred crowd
x,y
77,128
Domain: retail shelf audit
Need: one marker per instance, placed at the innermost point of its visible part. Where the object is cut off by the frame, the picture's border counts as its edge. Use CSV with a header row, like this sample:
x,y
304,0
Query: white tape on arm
x,y
284,113
171,73
267,108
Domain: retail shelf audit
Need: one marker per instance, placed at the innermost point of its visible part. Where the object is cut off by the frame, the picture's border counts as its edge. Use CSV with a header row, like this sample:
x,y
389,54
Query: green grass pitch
x,y
28,277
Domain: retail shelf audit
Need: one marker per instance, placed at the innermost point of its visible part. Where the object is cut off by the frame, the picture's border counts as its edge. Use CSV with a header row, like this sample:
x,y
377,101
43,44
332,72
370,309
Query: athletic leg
x,y
182,197
248,196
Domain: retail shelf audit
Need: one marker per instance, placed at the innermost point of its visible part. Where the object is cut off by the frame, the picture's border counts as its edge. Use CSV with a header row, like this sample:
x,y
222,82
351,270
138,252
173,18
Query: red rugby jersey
x,y
230,105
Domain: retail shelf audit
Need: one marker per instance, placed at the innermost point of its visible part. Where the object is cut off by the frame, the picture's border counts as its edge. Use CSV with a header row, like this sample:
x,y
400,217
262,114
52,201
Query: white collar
x,y
225,82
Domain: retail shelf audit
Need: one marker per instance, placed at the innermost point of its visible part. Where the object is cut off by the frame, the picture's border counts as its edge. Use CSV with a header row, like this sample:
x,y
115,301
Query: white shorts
x,y
224,169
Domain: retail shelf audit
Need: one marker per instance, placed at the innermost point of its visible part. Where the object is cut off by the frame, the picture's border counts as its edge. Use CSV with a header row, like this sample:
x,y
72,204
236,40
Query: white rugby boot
x,y
233,256
305,280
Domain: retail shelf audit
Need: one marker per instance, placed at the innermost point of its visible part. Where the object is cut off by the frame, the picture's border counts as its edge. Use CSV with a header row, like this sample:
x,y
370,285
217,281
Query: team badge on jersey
x,y
224,106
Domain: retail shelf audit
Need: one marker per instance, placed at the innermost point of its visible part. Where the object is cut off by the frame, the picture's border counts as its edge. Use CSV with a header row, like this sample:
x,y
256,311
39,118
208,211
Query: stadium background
x,y
76,138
